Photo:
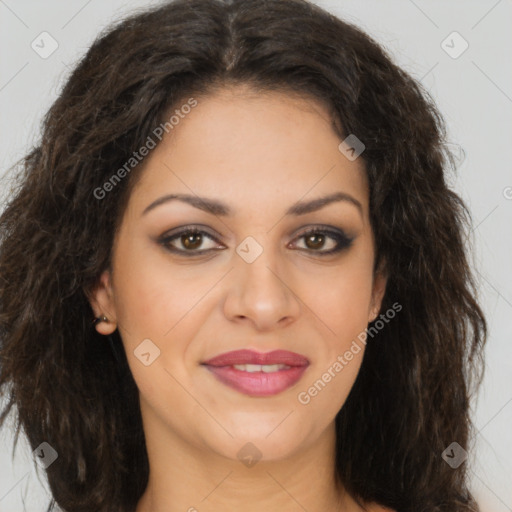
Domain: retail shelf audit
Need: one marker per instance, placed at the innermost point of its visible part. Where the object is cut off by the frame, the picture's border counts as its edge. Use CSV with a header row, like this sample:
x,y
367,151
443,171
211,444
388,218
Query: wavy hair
x,y
411,398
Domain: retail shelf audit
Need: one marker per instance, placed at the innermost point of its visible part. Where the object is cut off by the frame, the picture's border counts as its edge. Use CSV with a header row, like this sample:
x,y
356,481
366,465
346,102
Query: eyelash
x,y
341,239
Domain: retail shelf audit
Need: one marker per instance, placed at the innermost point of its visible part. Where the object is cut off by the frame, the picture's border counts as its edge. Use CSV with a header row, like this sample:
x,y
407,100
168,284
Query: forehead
x,y
251,147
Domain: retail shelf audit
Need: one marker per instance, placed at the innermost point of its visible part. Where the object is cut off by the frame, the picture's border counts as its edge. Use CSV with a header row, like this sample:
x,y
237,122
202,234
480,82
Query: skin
x,y
259,154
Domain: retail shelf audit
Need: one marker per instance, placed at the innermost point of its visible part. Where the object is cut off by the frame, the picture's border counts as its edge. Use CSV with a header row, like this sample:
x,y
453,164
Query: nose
x,y
262,294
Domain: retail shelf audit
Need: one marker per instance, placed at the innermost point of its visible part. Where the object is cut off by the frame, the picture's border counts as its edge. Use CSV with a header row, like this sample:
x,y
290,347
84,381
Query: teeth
x,y
266,368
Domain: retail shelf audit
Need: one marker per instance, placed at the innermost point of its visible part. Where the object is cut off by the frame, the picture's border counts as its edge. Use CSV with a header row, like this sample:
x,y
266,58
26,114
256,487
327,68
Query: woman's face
x,y
254,170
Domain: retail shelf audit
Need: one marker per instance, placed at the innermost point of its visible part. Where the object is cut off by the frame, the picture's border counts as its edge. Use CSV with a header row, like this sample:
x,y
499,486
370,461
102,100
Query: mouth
x,y
258,374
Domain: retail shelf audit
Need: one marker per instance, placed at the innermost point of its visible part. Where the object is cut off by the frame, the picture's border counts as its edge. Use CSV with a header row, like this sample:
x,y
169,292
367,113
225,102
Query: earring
x,y
99,319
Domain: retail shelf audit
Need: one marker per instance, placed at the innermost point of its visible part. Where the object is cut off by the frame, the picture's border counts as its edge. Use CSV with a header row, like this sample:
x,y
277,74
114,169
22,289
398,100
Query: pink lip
x,y
258,383
252,357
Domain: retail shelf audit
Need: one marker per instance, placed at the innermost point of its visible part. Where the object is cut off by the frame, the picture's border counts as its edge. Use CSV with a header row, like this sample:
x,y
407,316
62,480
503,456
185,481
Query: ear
x,y
101,298
378,290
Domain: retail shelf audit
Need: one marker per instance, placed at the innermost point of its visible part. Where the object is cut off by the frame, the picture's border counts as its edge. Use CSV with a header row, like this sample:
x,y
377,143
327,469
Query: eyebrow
x,y
223,210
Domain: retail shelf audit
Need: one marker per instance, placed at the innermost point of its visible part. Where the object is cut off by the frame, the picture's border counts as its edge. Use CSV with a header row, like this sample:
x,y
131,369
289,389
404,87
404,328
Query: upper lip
x,y
246,356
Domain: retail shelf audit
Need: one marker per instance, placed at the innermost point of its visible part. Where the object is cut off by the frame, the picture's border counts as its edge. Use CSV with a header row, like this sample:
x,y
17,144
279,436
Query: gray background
x,y
473,91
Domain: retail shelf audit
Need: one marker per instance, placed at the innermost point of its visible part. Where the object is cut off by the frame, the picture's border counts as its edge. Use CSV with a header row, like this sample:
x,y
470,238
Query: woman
x,y
233,275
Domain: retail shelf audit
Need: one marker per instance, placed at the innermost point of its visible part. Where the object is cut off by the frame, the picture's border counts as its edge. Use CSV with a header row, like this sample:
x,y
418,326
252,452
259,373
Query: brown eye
x,y
192,240
188,240
324,241
315,240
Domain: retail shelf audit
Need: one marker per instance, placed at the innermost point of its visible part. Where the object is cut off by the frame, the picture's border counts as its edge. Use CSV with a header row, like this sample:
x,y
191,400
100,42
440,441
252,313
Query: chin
x,y
266,440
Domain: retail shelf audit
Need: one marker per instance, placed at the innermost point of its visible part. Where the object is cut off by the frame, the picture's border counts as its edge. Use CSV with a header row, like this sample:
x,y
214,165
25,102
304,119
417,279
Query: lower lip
x,y
258,383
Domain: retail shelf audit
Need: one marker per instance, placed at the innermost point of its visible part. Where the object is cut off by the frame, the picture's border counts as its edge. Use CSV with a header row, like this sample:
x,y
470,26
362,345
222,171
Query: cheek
x,y
342,304
342,298
152,297
327,390
165,306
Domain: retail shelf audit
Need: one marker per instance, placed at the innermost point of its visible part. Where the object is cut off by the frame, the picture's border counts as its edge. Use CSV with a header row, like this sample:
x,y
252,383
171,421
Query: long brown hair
x,y
75,391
